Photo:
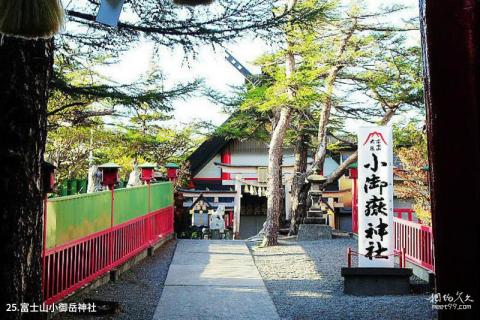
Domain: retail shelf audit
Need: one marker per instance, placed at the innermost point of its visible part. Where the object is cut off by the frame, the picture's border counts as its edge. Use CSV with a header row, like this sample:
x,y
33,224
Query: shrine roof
x,y
205,152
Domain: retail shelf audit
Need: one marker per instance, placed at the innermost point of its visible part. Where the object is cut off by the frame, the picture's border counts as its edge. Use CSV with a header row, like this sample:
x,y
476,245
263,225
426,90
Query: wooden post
x,y
354,206
288,197
349,257
110,245
237,208
450,38
44,246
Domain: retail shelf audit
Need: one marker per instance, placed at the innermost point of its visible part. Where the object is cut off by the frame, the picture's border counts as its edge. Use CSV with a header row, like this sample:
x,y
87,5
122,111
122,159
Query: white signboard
x,y
109,12
375,197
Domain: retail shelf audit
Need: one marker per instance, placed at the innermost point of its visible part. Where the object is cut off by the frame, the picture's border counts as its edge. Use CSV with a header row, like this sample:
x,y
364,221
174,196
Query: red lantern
x,y
172,171
148,170
109,174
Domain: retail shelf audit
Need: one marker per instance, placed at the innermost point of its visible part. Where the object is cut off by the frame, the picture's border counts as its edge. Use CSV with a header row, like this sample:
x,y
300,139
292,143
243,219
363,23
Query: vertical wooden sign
x,y
375,197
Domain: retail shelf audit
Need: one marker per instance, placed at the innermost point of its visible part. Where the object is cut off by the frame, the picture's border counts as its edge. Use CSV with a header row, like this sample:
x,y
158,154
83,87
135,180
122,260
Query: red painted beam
x,y
450,40
226,158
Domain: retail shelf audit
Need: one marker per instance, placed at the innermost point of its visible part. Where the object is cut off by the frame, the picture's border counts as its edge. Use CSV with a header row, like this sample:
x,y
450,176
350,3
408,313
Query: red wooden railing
x,y
401,256
70,266
403,213
417,241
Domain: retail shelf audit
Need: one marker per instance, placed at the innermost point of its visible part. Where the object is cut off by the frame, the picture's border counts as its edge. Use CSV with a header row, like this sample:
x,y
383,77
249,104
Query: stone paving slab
x,y
215,302
200,258
212,246
214,280
214,274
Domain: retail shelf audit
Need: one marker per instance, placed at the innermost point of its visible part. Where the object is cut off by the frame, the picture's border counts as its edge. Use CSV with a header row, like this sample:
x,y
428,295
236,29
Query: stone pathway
x,y
214,280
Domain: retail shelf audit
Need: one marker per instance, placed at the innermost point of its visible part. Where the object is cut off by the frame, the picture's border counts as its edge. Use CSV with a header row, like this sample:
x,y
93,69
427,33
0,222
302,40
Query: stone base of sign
x,y
311,232
376,281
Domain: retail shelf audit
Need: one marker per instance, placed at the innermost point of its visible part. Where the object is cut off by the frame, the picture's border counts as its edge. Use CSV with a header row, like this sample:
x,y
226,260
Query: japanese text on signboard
x,y
375,197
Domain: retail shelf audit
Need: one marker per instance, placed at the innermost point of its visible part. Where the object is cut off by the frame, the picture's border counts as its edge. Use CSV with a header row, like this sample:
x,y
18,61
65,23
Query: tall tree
x,y
295,96
275,151
26,61
336,63
299,190
411,149
79,94
350,45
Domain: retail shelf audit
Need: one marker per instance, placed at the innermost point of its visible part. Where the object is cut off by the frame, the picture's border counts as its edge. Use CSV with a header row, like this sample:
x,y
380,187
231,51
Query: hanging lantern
x,y
251,189
261,192
245,189
254,193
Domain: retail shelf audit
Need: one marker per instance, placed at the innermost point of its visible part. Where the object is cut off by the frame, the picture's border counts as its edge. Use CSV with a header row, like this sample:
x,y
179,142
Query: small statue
x,y
216,219
134,177
94,179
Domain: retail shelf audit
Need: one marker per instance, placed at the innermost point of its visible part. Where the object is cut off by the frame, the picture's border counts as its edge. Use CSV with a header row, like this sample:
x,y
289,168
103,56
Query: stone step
x,y
315,214
314,220
309,232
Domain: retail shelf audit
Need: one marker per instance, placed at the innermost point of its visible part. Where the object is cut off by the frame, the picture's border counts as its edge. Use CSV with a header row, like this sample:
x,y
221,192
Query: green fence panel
x,y
130,203
73,217
83,186
161,195
63,189
72,187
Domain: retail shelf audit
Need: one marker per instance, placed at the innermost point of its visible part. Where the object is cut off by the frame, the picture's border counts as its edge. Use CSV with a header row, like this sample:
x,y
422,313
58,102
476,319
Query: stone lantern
x,y
314,225
315,213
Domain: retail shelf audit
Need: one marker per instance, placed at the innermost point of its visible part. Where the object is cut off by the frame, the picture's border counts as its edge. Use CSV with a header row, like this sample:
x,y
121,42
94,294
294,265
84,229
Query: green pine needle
x,y
193,2
31,18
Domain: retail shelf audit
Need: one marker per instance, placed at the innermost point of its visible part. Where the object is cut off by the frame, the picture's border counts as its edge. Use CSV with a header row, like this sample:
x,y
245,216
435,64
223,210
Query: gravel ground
x,y
304,281
138,290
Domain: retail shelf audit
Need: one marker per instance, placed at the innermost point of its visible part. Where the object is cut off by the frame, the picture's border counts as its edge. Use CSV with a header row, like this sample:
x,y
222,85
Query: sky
x,y
209,65
212,67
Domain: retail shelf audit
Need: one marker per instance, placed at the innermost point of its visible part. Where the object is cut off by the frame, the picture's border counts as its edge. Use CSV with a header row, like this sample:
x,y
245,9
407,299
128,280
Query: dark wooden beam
x,y
450,38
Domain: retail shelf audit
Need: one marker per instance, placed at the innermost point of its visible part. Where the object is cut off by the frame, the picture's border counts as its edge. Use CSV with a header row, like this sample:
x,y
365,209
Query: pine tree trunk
x,y
329,95
25,72
274,183
299,188
324,120
275,152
